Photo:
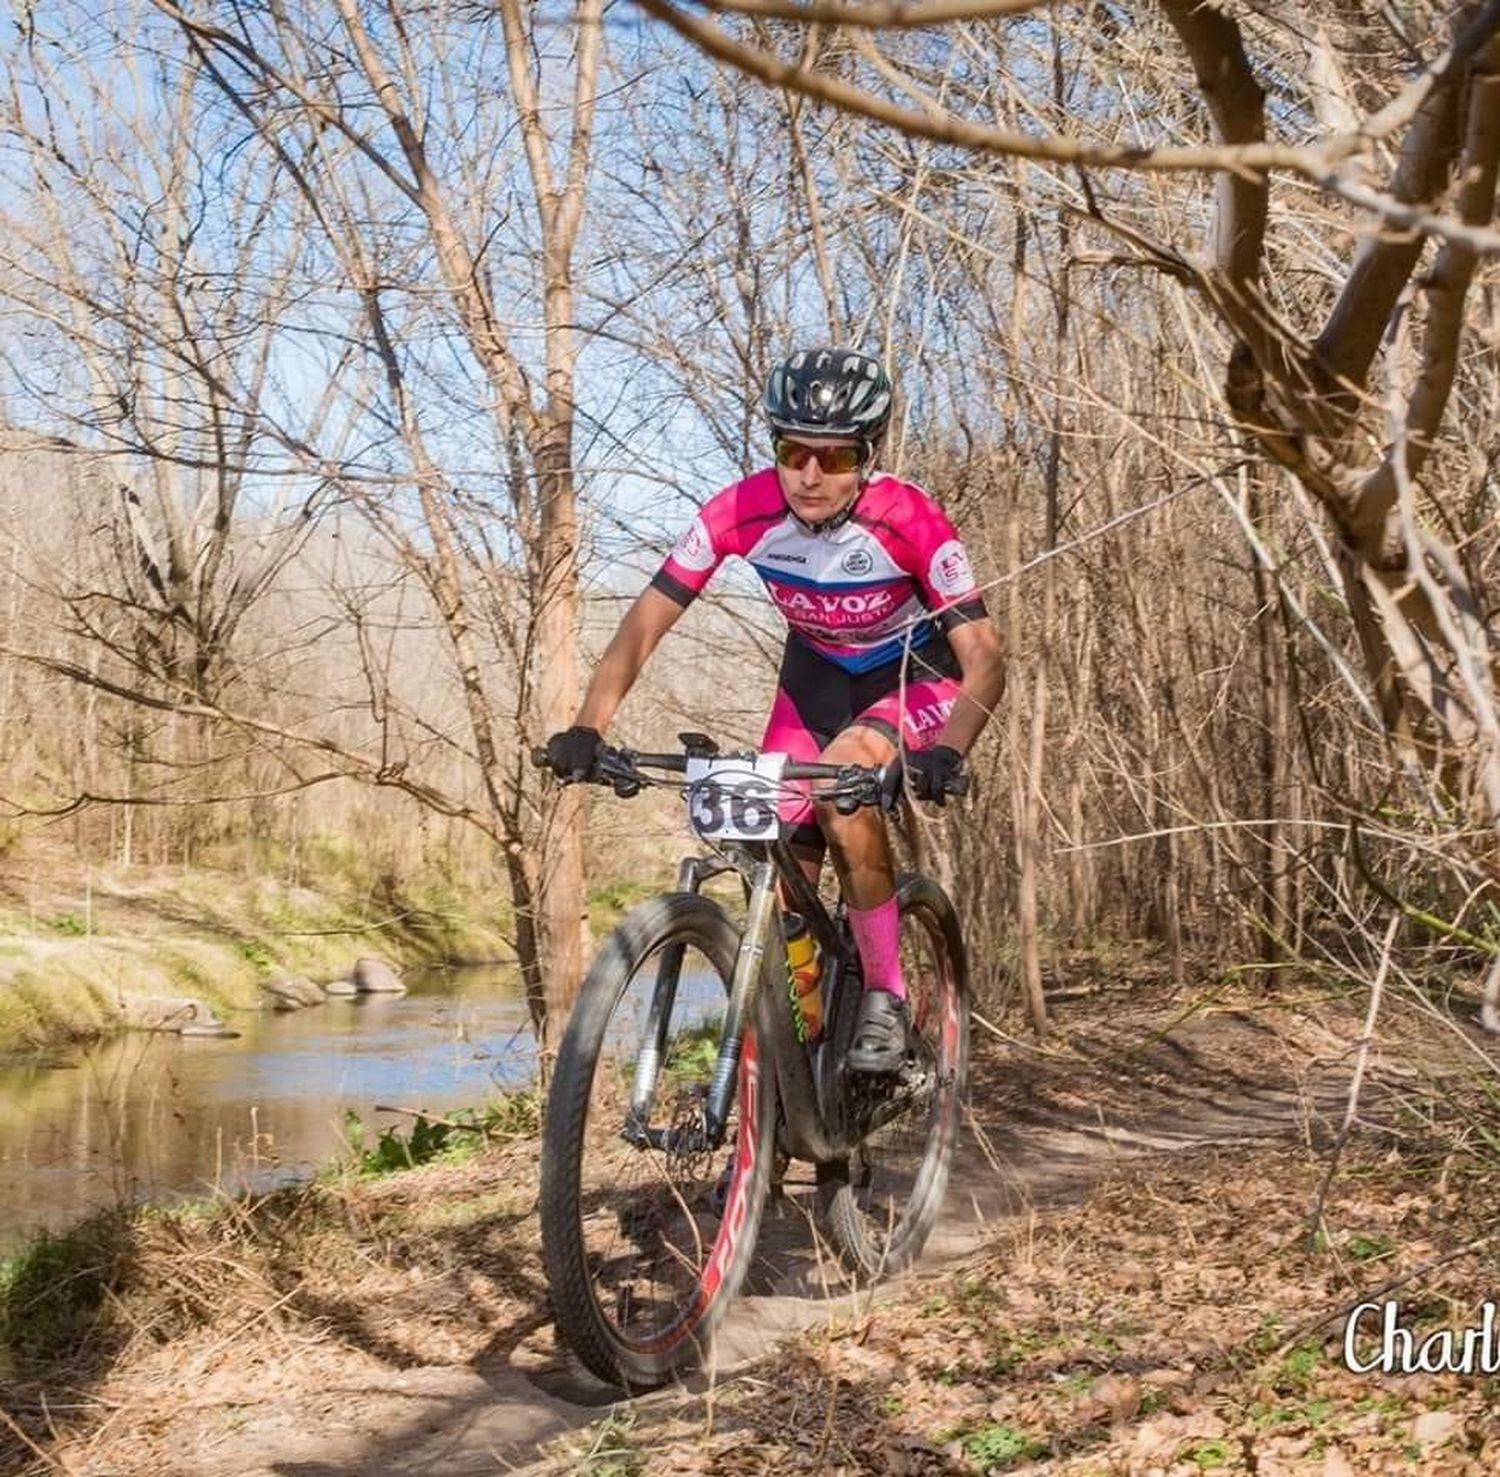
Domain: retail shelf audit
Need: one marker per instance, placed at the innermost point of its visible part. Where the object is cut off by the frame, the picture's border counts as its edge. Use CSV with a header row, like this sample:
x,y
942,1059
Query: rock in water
x,y
292,992
179,1013
376,977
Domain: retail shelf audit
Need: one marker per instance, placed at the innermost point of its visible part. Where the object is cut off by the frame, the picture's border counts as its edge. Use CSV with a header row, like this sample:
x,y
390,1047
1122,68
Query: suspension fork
x,y
748,966
692,873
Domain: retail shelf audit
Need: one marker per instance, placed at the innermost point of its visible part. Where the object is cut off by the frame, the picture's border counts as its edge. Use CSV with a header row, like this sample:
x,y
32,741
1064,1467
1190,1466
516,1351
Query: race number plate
x,y
734,799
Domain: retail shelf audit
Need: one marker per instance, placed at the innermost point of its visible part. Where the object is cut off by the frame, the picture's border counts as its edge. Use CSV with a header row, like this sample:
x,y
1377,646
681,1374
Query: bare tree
x,y
1340,377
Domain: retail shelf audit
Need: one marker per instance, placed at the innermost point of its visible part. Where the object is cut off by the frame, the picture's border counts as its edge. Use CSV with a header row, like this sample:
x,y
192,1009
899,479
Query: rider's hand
x,y
571,753
929,772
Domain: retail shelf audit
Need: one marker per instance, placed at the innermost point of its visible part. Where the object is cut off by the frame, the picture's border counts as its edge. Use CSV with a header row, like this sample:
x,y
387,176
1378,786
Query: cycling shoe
x,y
881,1034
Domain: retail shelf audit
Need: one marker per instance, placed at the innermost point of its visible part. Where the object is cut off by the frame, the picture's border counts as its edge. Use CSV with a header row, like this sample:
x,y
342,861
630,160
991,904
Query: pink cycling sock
x,y
878,938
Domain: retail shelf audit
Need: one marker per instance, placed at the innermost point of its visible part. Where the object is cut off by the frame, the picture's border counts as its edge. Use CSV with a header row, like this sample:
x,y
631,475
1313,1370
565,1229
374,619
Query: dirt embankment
x,y
83,954
1124,1283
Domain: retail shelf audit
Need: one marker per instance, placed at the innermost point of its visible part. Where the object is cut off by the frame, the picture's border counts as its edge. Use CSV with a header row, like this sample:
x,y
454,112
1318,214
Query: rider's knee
x,y
859,744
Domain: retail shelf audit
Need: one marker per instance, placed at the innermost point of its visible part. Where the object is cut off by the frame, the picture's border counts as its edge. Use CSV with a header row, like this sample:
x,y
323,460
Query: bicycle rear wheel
x,y
880,1205
648,1231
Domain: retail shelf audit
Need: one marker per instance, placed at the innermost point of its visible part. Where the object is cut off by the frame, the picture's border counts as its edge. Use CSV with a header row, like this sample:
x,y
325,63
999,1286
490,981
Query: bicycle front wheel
x,y
647,1228
880,1205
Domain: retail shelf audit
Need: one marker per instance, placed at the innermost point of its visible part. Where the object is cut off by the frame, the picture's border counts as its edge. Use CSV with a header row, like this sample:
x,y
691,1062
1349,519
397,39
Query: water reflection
x,y
151,1116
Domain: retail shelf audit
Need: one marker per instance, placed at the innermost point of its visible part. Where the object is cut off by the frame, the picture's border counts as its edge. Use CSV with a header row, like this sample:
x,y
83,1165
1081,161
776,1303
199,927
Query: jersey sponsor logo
x,y
930,716
694,550
831,609
949,572
787,558
857,561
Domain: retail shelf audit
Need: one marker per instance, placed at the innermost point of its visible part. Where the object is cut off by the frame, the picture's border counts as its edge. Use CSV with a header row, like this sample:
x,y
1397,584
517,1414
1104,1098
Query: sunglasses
x,y
833,460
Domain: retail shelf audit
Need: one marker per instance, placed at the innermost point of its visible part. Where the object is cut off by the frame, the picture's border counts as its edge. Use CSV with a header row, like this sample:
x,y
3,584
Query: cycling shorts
x,y
817,699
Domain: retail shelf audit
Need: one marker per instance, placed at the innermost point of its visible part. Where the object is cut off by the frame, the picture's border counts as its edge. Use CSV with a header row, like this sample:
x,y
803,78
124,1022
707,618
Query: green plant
x,y
1209,1454
453,1138
392,1152
1298,1367
998,1444
55,1292
612,1453
516,1114
74,925
978,1292
691,1053
1367,1248
615,897
255,953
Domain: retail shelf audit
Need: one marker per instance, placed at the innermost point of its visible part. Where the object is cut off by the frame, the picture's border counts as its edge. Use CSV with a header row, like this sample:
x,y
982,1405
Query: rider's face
x,y
813,494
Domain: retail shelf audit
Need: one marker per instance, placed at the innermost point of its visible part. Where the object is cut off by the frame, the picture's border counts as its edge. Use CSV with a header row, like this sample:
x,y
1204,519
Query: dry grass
x,y
146,1317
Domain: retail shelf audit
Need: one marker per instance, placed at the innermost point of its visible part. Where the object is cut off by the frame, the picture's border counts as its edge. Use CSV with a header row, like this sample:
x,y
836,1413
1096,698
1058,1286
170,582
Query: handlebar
x,y
854,785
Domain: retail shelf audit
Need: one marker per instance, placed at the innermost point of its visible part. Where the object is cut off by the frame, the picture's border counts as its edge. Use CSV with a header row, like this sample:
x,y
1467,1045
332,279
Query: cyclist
x,y
889,650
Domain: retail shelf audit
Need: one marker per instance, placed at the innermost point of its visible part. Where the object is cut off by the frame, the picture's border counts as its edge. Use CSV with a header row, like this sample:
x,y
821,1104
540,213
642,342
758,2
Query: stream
x,y
158,1116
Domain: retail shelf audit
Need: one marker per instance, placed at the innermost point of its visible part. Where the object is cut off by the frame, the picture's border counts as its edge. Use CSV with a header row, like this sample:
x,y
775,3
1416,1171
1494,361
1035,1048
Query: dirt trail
x,y
1043,1130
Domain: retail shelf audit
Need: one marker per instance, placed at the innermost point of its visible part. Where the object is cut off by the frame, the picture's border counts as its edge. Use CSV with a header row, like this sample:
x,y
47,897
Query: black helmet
x,y
829,392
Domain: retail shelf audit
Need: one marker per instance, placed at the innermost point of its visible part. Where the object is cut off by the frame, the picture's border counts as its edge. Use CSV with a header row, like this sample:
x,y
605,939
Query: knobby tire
x,y
879,1232
593,1319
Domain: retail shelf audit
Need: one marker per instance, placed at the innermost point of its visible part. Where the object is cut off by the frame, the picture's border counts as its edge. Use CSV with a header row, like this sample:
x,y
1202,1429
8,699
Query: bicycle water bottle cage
x,y
697,745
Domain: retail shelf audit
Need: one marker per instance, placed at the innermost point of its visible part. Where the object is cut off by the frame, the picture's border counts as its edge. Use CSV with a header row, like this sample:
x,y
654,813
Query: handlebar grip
x,y
958,785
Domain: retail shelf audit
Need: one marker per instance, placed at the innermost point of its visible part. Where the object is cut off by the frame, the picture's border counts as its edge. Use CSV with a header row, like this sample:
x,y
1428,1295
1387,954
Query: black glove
x,y
572,753
930,772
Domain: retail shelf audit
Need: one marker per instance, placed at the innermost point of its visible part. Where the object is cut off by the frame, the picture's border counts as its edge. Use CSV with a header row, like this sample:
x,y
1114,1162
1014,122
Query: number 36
x,y
746,808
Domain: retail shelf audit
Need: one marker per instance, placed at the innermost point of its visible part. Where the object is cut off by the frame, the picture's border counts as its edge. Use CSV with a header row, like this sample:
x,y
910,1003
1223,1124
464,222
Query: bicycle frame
x,y
809,1080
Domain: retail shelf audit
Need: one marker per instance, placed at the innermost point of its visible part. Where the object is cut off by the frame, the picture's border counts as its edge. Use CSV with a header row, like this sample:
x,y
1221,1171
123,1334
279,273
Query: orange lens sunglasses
x,y
834,460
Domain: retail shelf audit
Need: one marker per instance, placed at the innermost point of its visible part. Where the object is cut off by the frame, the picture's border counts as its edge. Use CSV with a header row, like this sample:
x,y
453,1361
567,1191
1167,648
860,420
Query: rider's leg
x,y
789,732
861,850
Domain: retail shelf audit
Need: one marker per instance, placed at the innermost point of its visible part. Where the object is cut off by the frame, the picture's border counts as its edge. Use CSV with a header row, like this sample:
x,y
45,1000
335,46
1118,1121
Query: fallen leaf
x,y
1433,1427
1336,1464
1118,1394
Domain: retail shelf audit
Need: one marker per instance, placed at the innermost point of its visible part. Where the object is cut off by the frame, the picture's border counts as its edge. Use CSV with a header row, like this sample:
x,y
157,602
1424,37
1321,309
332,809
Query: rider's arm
x,y
646,622
982,661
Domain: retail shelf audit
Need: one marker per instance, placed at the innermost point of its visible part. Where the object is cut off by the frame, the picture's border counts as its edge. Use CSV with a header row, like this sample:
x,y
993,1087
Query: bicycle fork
x,y
740,1008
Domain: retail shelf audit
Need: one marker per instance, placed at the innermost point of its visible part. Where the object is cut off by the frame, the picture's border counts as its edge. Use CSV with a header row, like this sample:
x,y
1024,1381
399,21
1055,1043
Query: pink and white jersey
x,y
852,593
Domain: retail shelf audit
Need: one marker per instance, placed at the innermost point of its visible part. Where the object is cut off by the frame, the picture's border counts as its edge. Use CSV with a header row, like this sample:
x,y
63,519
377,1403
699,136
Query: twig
x,y
1355,1082
494,1133
53,1463
420,1116
1010,1040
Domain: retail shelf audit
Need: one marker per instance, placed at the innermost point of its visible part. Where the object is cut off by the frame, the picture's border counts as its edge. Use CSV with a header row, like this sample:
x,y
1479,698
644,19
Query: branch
x,y
252,60
890,15
356,766
166,802
1448,286
945,128
1355,327
1236,102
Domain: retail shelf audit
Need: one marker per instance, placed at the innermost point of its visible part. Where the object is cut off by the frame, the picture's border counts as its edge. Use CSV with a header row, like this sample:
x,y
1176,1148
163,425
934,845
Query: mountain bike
x,y
687,1078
